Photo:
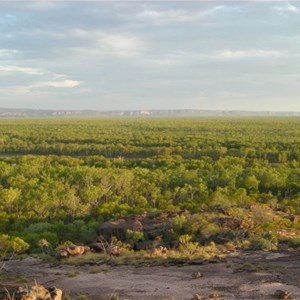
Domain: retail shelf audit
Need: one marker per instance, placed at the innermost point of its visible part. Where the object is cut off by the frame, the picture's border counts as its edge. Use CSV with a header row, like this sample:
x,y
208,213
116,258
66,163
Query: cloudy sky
x,y
113,55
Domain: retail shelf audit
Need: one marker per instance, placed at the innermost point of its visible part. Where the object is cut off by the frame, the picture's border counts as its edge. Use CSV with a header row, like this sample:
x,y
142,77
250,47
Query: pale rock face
x,y
39,292
72,251
57,294
159,251
115,251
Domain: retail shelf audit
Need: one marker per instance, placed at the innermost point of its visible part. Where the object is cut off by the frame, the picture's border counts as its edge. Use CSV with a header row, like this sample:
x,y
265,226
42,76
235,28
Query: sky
x,y
126,55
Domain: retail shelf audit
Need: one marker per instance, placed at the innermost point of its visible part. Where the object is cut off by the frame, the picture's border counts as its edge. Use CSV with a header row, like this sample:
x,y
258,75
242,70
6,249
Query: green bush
x,y
179,223
186,245
135,236
38,227
262,244
34,238
294,243
12,245
210,230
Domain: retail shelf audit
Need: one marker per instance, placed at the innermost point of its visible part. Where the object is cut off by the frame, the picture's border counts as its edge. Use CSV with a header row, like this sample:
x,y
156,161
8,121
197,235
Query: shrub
x,y
245,244
186,246
64,245
262,214
294,243
210,230
179,223
134,236
33,239
262,244
38,227
12,245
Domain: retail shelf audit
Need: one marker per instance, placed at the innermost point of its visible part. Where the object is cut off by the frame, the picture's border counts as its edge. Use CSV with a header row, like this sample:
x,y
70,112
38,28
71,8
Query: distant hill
x,y
37,113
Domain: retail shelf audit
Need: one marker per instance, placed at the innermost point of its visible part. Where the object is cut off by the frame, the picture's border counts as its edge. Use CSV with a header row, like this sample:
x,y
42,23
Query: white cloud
x,y
17,69
120,45
7,52
81,33
287,8
168,16
58,84
171,16
59,76
242,54
103,43
218,8
163,62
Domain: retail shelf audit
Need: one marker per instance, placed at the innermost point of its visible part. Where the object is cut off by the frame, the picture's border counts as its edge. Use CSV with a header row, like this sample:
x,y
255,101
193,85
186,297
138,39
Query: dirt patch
x,y
246,275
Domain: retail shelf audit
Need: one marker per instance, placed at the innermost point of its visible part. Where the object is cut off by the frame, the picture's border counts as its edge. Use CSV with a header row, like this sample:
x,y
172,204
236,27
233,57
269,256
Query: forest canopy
x,y
60,179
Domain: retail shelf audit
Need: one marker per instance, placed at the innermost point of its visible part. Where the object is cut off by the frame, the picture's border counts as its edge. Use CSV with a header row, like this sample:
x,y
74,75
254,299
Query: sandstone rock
x,y
197,275
36,292
160,251
62,253
152,226
72,251
114,251
75,250
119,228
56,294
197,297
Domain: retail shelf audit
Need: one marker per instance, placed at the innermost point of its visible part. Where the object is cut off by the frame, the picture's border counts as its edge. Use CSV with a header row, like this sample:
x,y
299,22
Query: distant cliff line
x,y
36,113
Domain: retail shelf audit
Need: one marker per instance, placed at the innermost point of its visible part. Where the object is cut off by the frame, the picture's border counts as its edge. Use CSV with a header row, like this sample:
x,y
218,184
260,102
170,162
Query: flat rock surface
x,y
245,275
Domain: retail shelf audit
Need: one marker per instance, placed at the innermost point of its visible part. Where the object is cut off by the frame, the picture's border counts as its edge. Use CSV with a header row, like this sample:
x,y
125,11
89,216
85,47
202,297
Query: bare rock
x,y
115,251
35,292
150,225
160,251
197,275
119,228
56,294
72,251
197,297
75,250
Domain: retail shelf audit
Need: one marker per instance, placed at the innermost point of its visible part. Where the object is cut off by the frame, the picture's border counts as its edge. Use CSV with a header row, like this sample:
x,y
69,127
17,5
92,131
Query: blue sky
x,y
235,55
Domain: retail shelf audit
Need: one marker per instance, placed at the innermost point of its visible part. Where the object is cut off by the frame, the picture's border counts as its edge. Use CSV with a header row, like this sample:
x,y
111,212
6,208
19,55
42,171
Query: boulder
x,y
75,250
62,253
197,297
160,251
197,275
119,228
72,251
35,292
56,294
114,251
152,226
156,227
38,292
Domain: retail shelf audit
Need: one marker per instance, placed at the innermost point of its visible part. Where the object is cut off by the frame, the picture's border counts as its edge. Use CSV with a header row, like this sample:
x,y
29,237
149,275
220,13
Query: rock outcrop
x,y
72,251
160,251
151,226
119,228
35,292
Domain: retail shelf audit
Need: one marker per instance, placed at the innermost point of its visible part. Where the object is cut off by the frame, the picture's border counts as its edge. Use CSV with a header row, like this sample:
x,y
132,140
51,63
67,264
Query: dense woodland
x,y
60,179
